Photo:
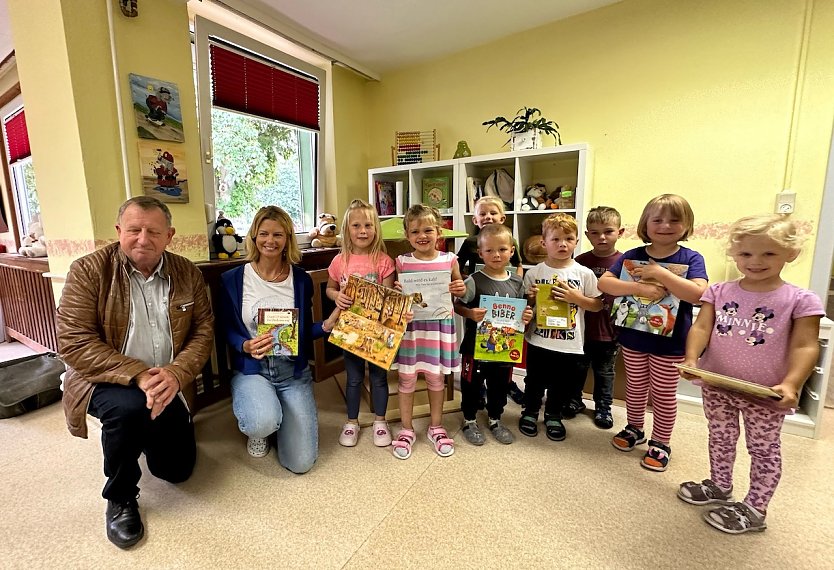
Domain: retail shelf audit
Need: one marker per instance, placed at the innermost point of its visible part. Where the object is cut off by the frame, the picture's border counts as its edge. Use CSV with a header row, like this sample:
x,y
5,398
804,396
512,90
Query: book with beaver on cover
x,y
499,337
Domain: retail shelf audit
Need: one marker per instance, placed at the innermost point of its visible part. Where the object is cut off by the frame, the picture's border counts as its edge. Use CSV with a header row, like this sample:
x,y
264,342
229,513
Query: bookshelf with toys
x,y
563,169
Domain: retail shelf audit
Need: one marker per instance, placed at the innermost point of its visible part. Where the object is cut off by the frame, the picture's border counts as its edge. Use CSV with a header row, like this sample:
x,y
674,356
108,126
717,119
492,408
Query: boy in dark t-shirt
x,y
603,229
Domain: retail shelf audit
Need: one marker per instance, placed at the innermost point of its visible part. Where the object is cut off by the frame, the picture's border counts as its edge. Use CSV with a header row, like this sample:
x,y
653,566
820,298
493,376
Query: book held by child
x,y
499,337
654,316
550,313
373,327
429,291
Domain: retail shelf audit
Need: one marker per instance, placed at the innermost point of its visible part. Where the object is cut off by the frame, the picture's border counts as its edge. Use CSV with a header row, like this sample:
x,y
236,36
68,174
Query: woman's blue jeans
x,y
275,401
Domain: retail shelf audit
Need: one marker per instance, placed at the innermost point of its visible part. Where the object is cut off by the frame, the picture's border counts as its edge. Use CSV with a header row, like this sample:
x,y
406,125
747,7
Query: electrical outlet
x,y
785,202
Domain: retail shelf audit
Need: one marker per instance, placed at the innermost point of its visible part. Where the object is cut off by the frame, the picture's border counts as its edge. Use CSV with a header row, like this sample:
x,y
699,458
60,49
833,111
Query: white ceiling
x,y
386,34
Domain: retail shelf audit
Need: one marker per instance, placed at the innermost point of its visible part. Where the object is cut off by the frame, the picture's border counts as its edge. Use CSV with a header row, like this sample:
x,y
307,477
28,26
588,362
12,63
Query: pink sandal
x,y
401,447
443,444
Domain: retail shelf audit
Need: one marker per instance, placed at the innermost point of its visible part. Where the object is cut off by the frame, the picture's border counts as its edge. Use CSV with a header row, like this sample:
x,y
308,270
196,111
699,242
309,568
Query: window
x,y
21,172
265,119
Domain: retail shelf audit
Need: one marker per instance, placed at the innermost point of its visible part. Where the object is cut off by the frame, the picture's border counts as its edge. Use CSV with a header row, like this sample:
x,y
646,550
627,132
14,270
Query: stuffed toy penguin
x,y
225,239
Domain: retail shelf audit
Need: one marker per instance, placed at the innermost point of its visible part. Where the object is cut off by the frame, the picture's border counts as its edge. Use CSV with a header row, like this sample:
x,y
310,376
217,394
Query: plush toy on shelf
x,y
324,234
225,238
535,198
34,244
533,249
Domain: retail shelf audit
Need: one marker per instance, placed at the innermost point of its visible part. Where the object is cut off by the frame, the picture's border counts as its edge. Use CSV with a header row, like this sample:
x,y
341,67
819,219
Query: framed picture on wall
x,y
163,171
157,109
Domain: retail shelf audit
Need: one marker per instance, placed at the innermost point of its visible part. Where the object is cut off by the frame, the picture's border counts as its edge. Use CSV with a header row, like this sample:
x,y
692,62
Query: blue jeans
x,y
355,370
601,356
275,401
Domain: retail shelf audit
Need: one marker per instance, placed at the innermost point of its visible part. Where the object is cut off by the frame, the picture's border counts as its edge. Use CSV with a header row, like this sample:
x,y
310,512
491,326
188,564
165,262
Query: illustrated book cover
x,y
499,337
647,315
429,290
436,193
373,327
730,383
282,324
386,202
553,314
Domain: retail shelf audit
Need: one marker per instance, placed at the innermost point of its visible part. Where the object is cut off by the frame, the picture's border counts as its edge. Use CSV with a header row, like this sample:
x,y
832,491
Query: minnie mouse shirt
x,y
752,330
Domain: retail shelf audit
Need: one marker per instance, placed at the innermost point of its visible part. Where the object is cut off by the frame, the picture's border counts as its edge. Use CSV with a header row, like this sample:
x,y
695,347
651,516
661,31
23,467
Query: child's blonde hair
x,y
292,253
564,222
603,215
377,245
496,230
493,200
777,227
675,205
423,212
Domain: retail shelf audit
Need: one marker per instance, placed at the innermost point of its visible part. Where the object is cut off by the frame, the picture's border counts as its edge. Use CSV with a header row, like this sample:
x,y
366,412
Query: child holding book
x,y
495,246
363,254
428,347
603,229
489,210
650,358
552,349
763,330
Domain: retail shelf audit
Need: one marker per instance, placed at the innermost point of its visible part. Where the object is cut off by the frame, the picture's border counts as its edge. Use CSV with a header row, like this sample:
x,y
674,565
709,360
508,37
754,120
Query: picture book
x,y
436,193
647,315
373,327
499,337
429,290
386,203
730,383
553,314
282,324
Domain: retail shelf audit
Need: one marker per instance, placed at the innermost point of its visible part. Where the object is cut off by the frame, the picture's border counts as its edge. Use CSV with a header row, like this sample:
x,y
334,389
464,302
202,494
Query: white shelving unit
x,y
565,165
806,421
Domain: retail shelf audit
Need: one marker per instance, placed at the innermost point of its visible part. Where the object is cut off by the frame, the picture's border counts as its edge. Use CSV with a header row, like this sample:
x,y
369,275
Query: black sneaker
x,y
572,408
528,426
516,394
603,419
554,429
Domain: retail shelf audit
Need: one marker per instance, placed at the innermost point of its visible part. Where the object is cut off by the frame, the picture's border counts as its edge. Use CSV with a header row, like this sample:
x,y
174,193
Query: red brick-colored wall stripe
x,y
28,305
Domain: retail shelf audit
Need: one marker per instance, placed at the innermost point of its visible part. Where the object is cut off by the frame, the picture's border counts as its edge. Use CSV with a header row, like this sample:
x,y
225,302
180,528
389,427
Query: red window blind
x,y
17,137
242,83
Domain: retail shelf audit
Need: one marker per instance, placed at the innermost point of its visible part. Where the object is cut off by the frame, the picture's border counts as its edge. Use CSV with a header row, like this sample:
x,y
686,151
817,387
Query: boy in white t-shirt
x,y
559,350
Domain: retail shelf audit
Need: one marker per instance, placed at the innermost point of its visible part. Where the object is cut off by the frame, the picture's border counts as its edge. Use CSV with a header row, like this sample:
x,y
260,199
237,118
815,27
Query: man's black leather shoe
x,y
124,525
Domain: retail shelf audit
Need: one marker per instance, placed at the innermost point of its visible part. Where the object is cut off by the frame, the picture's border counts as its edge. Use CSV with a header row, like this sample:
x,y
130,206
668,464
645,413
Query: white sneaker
x,y
350,435
257,447
382,435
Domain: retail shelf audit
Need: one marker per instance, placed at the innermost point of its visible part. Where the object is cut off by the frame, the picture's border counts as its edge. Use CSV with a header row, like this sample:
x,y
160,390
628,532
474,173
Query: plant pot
x,y
526,140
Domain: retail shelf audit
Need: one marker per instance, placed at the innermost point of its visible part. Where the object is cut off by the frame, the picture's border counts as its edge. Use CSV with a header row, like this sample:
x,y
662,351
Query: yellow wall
x,y
351,116
694,98
66,75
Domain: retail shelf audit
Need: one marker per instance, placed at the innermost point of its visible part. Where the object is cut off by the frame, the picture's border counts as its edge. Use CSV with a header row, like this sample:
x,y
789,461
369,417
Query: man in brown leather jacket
x,y
134,328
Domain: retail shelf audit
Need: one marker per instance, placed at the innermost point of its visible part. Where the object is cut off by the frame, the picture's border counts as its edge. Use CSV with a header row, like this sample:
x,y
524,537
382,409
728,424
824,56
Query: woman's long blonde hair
x,y
377,245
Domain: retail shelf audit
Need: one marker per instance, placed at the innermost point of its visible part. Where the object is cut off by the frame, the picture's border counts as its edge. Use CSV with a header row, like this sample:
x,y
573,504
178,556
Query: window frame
x,y
204,30
10,103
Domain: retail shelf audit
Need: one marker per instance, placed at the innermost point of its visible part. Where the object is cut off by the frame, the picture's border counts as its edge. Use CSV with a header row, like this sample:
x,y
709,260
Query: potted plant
x,y
525,127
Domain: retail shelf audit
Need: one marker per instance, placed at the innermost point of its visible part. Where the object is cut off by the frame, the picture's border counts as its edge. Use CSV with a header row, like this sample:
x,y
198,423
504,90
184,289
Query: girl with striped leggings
x,y
650,358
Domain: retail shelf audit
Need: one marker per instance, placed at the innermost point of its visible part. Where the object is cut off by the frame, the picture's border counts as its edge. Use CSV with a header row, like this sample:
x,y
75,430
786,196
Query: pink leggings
x,y
762,427
656,375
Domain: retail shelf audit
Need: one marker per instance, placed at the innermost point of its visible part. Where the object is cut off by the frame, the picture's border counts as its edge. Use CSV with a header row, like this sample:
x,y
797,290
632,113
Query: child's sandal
x,y
443,444
401,447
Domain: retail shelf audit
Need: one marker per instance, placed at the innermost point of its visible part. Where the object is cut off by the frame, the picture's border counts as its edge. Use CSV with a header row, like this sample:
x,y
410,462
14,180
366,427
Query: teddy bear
x,y
324,234
34,244
535,198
